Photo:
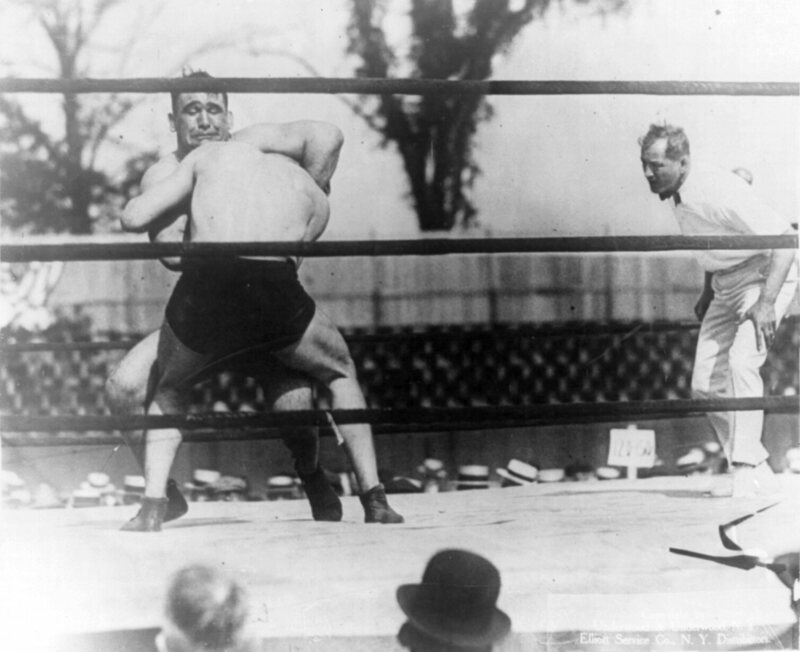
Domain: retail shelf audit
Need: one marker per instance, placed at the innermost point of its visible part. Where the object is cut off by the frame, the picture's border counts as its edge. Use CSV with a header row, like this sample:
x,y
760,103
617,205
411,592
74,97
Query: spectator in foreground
x,y
205,611
454,608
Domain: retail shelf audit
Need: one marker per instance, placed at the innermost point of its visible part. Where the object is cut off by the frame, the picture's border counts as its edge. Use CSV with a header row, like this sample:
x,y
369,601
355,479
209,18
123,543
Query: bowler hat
x,y
456,601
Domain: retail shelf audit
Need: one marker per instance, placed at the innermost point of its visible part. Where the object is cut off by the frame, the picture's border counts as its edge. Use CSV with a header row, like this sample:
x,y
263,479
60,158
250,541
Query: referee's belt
x,y
758,259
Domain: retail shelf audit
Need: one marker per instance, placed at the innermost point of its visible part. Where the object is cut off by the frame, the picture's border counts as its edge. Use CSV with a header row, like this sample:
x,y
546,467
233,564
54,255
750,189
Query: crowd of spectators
x,y
430,476
401,367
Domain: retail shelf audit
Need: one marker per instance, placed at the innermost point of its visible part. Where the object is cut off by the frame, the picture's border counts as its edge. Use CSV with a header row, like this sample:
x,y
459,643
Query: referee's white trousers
x,y
727,361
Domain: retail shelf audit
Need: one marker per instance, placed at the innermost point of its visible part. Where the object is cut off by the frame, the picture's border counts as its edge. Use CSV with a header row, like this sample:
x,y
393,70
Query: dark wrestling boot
x,y
325,504
176,503
376,507
150,516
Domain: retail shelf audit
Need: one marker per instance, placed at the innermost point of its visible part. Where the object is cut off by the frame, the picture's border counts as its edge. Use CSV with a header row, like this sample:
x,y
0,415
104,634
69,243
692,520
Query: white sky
x,y
565,165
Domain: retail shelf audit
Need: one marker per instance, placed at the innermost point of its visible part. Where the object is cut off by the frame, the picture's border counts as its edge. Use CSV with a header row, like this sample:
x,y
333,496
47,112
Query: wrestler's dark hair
x,y
677,142
194,74
208,608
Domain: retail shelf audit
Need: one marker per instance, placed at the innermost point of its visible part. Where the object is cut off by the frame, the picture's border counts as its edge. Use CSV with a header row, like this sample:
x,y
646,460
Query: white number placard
x,y
632,447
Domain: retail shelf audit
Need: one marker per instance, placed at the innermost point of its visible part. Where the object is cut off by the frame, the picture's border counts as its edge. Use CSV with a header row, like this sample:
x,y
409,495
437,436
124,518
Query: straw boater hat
x,y
693,458
10,480
551,475
132,489
46,497
281,486
431,466
202,479
229,484
134,483
793,460
108,492
85,496
473,476
608,473
456,601
518,472
98,480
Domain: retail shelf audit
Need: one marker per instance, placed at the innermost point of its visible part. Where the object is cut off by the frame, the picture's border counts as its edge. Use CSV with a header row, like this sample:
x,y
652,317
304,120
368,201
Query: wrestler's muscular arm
x,y
314,145
159,199
173,226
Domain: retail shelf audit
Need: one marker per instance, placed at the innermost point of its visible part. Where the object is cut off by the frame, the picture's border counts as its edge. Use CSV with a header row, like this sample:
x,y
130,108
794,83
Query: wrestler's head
x,y
199,117
665,158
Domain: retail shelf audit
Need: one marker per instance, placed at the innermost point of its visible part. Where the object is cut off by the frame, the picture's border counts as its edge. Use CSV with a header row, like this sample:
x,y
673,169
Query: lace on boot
x,y
150,516
376,507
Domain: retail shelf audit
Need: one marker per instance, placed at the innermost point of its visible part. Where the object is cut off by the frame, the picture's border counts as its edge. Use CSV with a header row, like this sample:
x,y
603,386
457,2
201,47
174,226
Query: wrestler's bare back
x,y
243,195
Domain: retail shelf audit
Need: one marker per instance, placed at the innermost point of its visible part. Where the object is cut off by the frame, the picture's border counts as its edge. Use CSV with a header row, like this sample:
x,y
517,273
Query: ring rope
x,y
209,435
407,335
49,347
398,420
383,86
15,253
489,416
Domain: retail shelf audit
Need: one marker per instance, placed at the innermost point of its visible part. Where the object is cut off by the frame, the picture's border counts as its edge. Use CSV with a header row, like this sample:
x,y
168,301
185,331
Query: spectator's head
x,y
205,611
454,607
198,117
665,158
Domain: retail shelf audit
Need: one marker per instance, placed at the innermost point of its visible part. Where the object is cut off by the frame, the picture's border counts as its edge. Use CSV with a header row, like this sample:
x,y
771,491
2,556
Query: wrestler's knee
x,y
342,368
171,400
123,393
296,398
127,386
321,365
285,388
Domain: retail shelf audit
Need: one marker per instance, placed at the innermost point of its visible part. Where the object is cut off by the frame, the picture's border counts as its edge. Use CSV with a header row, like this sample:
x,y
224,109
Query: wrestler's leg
x,y
323,354
129,390
286,390
130,386
178,367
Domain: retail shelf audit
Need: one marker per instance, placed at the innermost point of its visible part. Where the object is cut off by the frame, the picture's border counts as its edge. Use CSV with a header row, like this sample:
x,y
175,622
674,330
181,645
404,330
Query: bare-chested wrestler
x,y
197,118
240,193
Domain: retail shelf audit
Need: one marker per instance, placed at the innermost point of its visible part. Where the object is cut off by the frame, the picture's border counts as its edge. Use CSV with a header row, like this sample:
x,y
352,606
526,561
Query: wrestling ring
x,y
584,565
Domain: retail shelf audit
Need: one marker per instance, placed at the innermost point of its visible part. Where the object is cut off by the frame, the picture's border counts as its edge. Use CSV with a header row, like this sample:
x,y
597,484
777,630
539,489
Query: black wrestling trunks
x,y
229,305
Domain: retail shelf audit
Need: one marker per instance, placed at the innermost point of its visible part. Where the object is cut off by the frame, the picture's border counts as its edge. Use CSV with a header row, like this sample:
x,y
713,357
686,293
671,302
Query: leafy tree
x,y
435,134
54,183
57,182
